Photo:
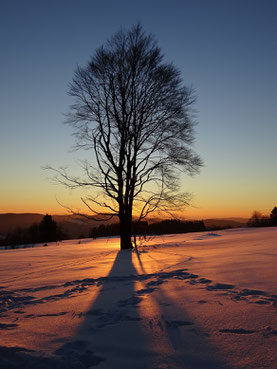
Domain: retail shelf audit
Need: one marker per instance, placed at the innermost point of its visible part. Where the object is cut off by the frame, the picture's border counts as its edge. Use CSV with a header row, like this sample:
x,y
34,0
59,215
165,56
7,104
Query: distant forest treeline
x,y
45,231
144,228
48,231
259,220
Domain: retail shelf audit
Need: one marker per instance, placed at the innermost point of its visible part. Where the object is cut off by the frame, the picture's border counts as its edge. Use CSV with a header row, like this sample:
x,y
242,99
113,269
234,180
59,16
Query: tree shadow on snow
x,y
110,335
118,333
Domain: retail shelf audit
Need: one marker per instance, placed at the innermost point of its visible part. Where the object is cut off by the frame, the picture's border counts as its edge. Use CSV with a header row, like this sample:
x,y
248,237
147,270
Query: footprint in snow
x,y
237,331
177,323
220,286
269,331
8,325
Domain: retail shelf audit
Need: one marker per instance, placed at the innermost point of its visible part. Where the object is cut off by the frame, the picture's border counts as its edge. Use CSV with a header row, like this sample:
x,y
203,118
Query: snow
x,y
186,301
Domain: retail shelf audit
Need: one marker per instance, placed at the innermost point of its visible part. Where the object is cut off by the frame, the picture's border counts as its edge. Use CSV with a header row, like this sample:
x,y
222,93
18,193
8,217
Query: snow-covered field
x,y
197,300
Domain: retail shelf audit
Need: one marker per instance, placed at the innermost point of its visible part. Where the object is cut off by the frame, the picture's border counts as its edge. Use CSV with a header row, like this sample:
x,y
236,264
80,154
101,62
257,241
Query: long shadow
x,y
110,335
140,261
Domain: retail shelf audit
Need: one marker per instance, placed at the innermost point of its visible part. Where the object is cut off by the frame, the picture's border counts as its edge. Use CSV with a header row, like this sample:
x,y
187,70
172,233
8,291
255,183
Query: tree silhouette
x,y
132,110
48,229
273,216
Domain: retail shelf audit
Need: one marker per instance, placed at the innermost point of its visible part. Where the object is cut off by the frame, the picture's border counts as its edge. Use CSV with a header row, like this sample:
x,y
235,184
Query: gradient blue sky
x,y
226,49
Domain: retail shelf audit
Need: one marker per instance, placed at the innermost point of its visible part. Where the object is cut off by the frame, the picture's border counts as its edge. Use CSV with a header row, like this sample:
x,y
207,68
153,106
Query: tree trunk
x,y
125,231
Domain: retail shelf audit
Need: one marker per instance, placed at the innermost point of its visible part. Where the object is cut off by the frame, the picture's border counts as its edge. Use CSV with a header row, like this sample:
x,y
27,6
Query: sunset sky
x,y
227,50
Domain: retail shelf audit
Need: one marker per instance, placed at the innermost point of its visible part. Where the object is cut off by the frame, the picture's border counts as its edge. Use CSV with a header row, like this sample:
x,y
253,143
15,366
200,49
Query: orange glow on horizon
x,y
43,201
189,214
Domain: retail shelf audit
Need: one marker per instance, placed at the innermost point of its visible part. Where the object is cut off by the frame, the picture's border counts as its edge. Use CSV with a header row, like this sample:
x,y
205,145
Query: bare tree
x,y
132,110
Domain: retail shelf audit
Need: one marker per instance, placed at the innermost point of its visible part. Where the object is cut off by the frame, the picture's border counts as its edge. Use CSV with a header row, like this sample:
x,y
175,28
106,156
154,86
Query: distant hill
x,y
72,226
10,221
225,223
